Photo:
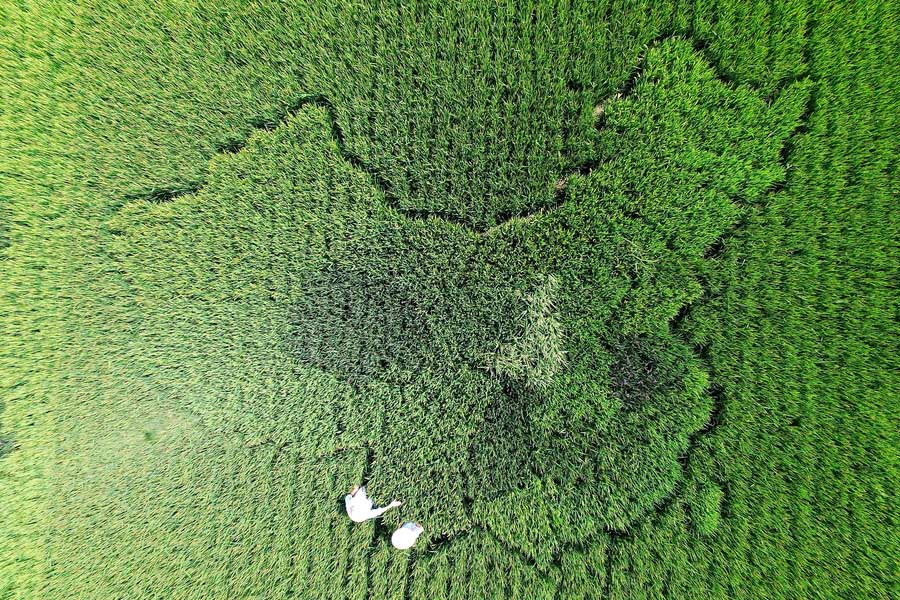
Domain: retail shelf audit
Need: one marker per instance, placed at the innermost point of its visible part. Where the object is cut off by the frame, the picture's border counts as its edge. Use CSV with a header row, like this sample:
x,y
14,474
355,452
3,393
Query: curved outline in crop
x,y
175,191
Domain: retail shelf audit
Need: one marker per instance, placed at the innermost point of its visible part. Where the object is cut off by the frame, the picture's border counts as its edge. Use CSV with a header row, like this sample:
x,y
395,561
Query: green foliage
x,y
705,502
536,354
604,292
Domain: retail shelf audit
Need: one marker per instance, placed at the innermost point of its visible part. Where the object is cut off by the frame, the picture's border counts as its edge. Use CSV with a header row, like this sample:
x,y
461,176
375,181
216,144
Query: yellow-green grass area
x,y
605,292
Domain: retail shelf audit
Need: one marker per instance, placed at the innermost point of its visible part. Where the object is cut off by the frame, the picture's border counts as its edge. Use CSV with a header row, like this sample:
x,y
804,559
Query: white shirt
x,y
406,535
360,508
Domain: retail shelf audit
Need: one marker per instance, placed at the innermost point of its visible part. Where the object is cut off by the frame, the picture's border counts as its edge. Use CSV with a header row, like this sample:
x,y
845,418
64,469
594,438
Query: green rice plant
x,y
536,354
605,292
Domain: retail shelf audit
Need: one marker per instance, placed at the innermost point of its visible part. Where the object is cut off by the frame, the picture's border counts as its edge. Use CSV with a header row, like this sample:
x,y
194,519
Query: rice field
x,y
604,292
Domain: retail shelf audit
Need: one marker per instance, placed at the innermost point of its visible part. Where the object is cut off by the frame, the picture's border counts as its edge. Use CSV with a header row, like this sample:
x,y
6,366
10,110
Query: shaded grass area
x,y
674,378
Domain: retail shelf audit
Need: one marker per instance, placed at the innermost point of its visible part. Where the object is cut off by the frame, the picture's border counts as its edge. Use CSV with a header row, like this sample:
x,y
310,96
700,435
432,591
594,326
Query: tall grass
x,y
604,292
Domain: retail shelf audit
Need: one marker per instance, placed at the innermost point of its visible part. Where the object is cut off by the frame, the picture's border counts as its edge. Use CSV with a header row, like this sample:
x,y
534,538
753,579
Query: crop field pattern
x,y
605,292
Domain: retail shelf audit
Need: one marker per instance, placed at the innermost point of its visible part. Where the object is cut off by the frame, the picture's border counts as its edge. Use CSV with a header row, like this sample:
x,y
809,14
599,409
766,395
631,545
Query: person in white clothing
x,y
360,508
406,535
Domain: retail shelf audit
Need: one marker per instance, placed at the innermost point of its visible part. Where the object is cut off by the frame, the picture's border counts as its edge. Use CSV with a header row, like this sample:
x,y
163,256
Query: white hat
x,y
406,535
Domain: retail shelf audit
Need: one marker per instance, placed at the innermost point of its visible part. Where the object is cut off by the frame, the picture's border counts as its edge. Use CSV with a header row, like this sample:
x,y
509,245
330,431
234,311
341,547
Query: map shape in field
x,y
524,378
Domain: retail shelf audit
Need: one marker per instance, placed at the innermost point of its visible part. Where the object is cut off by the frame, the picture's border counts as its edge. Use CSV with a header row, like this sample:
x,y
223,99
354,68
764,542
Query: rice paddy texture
x,y
604,294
